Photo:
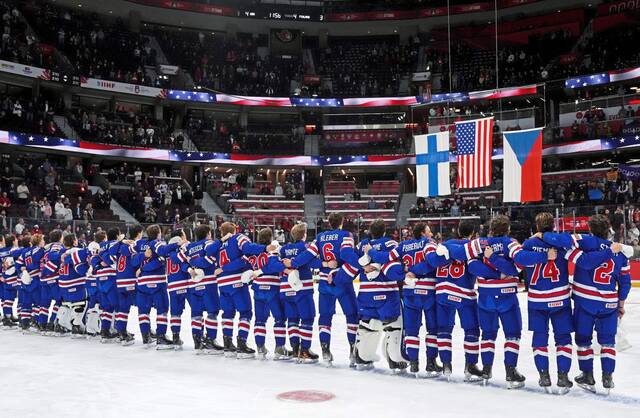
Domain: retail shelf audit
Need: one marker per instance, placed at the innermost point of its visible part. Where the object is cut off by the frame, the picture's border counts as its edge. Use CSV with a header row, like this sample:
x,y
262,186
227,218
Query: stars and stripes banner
x,y
522,166
90,148
602,78
474,149
432,164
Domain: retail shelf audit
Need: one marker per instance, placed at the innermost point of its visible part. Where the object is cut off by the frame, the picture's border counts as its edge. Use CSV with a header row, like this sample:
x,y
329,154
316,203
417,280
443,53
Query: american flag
x,y
474,149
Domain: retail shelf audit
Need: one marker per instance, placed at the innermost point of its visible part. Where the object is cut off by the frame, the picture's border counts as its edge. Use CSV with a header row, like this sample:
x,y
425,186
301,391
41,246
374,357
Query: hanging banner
x,y
629,172
24,70
115,86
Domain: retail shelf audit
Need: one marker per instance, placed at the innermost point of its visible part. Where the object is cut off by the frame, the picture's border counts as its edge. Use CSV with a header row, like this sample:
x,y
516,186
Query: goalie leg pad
x,y
368,339
77,310
64,317
393,340
93,321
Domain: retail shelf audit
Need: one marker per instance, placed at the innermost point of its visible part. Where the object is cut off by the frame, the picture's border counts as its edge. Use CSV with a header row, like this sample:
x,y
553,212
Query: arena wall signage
x,y
277,12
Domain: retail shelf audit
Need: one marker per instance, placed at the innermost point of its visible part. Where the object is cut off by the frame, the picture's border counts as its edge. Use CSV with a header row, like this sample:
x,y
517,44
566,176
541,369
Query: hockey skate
x,y
472,373
198,345
106,337
77,332
211,347
414,368
163,343
49,329
545,381
261,352
146,340
281,353
307,356
564,384
125,338
586,381
353,363
177,342
243,350
295,350
7,323
433,369
514,379
229,348
60,331
397,367
327,357
447,370
607,382
486,374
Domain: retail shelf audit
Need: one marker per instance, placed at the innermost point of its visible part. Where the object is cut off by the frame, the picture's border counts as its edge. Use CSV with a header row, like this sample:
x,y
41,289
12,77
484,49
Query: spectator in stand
x,y
633,233
78,171
278,190
22,192
5,202
45,208
89,211
67,213
20,227
372,204
77,211
198,195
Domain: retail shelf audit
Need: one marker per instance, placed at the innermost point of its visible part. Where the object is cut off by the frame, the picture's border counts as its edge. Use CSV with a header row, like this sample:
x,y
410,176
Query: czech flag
x,y
523,166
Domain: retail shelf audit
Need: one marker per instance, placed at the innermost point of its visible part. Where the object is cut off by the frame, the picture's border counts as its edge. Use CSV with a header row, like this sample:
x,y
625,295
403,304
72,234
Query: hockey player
x,y
418,295
49,291
72,278
178,285
10,281
234,295
151,289
296,290
123,252
497,278
29,262
455,293
92,319
379,303
203,289
108,292
599,294
549,298
265,279
336,284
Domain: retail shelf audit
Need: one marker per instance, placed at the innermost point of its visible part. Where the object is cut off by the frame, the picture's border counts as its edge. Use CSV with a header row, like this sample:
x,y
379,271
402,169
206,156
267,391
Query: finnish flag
x,y
432,164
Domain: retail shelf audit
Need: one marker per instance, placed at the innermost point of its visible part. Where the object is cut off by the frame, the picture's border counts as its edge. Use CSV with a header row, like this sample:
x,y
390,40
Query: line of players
x,y
93,288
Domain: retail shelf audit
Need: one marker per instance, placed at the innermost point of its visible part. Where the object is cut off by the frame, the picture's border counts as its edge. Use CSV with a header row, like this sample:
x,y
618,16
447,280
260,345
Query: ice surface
x,y
60,377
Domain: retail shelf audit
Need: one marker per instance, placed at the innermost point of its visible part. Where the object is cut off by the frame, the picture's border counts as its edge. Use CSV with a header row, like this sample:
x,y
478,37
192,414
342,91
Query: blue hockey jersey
x,y
328,246
291,251
233,251
595,288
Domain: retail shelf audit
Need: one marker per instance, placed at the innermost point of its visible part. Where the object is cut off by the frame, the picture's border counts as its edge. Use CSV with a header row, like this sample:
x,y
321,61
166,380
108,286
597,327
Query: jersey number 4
x,y
549,271
224,258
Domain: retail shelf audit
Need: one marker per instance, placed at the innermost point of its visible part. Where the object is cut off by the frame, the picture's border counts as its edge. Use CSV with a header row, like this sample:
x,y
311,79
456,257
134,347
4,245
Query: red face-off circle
x,y
306,396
